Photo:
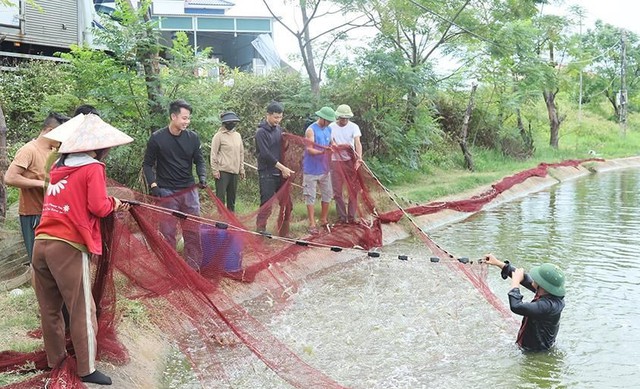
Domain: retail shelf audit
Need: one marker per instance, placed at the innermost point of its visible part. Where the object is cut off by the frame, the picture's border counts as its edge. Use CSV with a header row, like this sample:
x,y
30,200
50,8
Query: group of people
x,y
333,152
332,128
60,209
63,196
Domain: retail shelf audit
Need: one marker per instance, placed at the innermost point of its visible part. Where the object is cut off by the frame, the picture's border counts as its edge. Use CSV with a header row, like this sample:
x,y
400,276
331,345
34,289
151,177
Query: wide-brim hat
x,y
63,131
93,134
229,117
549,277
344,111
327,113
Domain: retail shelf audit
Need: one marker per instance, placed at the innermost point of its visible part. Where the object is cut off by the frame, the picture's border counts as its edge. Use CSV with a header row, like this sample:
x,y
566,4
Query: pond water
x,y
591,228
386,323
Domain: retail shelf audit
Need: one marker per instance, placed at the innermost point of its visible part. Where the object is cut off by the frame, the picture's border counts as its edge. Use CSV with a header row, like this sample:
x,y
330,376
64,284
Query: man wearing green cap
x,y
315,167
541,316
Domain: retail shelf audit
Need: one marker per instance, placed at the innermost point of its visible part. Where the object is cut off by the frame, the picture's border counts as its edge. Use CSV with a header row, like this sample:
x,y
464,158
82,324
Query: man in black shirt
x,y
541,316
167,166
272,173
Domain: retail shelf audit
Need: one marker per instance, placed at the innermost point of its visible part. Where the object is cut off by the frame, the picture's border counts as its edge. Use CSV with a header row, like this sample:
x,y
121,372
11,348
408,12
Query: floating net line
x,y
195,293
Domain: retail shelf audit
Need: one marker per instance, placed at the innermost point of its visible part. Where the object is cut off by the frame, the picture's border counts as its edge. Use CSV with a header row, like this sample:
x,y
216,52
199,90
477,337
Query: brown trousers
x,y
62,275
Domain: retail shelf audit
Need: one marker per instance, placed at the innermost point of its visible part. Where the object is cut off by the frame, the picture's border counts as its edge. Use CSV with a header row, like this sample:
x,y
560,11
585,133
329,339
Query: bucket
x,y
221,249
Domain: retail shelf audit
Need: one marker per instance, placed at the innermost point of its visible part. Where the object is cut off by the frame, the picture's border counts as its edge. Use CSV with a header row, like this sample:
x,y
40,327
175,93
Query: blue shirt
x,y
318,164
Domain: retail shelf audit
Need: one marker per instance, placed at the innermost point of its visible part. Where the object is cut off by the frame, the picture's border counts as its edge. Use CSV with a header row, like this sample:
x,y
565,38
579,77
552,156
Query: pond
x,y
386,323
590,227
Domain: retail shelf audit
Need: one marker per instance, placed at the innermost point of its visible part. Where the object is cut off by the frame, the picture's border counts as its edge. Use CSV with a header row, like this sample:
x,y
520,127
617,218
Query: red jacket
x,y
75,201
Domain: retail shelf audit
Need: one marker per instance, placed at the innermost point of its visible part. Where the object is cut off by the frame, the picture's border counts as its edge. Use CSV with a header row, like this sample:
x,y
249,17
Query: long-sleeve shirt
x,y
268,147
541,316
169,158
227,152
75,201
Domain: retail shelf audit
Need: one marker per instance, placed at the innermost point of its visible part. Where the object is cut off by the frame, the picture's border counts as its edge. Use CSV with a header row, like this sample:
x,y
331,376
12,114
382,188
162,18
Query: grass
x,y
593,136
19,315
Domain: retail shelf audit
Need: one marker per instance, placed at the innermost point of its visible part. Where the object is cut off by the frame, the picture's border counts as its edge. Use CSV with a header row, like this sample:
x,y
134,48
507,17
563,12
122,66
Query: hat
x,y
93,134
549,277
344,111
63,131
327,113
229,117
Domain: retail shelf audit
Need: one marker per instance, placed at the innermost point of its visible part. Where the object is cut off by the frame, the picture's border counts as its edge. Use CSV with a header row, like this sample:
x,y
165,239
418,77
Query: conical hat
x,y
63,131
94,134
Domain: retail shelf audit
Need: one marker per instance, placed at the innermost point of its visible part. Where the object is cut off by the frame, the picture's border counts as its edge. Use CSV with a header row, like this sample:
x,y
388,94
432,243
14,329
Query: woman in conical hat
x,y
69,233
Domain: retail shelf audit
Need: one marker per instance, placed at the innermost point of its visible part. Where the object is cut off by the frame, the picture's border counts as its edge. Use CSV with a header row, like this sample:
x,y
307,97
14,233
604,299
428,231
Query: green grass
x,y
593,136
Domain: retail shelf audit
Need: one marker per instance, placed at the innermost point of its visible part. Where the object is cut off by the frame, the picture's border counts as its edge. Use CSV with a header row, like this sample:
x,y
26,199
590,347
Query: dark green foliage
x,y
394,128
23,94
250,95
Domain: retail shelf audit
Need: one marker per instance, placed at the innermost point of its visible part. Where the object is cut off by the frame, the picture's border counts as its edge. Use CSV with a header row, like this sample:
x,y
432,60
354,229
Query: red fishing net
x,y
196,289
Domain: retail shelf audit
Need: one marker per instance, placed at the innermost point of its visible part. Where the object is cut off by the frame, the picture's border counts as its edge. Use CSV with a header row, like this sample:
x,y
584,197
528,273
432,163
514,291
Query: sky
x,y
621,13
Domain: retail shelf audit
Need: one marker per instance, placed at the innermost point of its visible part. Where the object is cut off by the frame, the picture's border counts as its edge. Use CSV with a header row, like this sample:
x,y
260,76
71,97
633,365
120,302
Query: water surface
x,y
591,228
386,323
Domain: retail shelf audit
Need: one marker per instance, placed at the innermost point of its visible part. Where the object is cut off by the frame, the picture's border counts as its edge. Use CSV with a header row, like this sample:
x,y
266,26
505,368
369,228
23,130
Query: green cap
x,y
344,111
327,113
549,277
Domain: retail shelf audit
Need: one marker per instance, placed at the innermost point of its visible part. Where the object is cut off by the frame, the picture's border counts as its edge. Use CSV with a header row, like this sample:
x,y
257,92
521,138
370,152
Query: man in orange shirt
x,y
27,172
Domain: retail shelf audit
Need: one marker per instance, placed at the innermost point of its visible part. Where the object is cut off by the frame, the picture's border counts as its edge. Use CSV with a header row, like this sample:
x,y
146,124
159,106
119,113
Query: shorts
x,y
309,184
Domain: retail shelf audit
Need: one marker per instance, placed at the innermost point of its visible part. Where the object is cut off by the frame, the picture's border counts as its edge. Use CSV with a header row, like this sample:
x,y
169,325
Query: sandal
x,y
314,230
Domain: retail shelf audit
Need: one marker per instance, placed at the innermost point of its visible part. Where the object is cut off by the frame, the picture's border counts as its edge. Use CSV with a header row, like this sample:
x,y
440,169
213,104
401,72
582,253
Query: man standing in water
x,y
541,316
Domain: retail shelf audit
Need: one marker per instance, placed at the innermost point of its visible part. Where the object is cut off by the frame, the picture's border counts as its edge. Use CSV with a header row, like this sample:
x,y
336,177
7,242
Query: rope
x,y
256,169
292,241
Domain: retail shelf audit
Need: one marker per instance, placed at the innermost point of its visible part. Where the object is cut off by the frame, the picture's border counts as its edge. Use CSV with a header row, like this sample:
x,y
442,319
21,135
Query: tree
x,y
320,44
602,62
527,58
418,32
552,36
132,38
464,131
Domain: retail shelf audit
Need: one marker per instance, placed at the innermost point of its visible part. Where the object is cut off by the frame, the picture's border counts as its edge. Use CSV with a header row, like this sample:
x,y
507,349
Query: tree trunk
x,y
612,99
306,50
468,159
4,164
150,58
554,120
148,54
527,138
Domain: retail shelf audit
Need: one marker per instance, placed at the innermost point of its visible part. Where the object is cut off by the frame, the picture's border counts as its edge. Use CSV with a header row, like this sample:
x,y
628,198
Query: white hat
x,y
63,131
93,134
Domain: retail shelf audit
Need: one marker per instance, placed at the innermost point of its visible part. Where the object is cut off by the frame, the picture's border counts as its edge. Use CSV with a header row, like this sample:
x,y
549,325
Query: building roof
x,y
208,3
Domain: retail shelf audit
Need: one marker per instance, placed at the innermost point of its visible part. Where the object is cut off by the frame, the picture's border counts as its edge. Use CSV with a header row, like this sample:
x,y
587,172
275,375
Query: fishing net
x,y
196,273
